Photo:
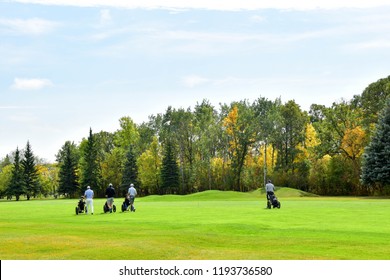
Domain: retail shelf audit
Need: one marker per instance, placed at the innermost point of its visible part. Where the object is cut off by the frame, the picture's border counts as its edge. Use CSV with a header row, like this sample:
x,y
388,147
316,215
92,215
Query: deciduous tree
x,y
149,167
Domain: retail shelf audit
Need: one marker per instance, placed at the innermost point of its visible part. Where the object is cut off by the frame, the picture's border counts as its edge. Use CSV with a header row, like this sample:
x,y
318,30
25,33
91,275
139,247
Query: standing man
x,y
132,193
110,193
89,198
269,188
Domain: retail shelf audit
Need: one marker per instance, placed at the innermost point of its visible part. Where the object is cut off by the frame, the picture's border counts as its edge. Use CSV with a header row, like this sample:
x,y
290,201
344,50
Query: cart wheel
x,y
268,205
114,208
77,210
279,205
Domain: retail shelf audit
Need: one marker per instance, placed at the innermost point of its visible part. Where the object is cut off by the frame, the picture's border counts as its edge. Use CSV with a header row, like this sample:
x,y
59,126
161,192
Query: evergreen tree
x,y
90,166
30,173
130,172
376,161
169,170
68,177
16,184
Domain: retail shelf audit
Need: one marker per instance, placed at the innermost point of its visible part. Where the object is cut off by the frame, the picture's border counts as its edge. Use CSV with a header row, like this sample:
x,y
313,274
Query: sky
x,y
70,65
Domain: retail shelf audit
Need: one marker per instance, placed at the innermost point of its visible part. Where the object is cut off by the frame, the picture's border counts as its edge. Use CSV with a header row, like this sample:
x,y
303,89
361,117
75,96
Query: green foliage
x,y
90,169
112,168
376,164
372,101
225,149
68,170
291,134
16,186
206,144
342,137
179,131
241,133
130,170
169,171
340,180
5,178
146,136
127,135
5,162
48,175
319,177
149,166
30,179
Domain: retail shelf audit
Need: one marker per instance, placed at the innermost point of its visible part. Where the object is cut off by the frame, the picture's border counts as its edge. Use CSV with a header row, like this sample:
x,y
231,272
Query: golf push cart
x,y
81,207
272,201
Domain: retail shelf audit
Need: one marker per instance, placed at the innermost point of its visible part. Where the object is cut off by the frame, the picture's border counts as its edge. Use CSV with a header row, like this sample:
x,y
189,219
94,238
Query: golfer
x,y
110,193
132,192
89,198
269,188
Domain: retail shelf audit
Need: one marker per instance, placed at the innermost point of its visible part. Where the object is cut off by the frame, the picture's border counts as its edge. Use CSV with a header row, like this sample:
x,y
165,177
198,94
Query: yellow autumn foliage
x,y
353,142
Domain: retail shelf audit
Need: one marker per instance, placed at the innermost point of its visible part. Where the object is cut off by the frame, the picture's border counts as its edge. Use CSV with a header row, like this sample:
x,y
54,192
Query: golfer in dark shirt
x,y
110,193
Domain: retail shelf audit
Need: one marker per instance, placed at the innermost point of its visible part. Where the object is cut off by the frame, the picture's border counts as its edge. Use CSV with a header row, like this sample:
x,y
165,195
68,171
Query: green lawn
x,y
207,226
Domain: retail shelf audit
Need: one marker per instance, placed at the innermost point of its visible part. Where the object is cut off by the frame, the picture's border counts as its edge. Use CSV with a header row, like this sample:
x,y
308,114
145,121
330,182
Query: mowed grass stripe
x,y
208,225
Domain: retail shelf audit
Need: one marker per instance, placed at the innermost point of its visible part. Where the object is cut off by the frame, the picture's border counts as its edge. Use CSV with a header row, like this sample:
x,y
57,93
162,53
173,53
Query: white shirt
x,y
270,187
132,191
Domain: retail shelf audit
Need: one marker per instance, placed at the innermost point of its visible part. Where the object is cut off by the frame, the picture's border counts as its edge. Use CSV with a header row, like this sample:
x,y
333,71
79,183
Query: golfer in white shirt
x,y
89,199
132,192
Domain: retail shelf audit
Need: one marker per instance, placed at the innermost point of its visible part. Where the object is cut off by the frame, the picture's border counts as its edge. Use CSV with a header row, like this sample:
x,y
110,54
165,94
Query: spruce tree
x,y
90,165
376,161
68,178
130,172
169,170
30,173
15,186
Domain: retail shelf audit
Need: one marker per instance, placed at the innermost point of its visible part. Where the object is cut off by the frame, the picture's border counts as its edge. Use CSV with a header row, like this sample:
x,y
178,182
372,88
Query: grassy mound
x,y
202,196
289,192
229,195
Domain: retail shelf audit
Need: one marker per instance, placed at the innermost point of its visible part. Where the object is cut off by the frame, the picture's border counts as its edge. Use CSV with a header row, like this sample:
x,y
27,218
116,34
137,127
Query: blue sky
x,y
69,65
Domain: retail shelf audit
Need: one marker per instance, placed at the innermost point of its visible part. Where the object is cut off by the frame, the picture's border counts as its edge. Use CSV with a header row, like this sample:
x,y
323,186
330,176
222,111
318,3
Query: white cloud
x,y
18,107
216,4
194,80
257,19
370,45
30,84
105,16
33,26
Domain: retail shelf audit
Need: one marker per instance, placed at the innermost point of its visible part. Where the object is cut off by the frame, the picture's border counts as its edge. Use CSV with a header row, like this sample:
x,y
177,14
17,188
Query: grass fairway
x,y
205,226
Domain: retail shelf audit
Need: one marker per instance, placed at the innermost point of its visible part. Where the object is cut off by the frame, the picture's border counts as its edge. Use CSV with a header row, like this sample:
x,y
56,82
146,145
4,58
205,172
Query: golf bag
x,y
128,204
272,201
81,207
107,209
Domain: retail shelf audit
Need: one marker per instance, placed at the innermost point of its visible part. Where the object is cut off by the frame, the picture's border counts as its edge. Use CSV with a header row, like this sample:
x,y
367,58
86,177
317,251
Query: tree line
x,y
342,149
